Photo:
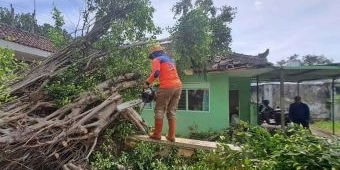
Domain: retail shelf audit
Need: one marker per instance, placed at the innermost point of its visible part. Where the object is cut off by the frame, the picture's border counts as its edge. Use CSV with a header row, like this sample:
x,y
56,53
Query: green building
x,y
207,103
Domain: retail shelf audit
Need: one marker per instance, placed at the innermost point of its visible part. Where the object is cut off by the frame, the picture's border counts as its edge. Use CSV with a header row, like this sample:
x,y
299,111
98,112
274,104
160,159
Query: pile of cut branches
x,y
36,134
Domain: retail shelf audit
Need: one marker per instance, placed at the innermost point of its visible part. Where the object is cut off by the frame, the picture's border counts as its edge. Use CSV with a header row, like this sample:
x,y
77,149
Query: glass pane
x,y
198,99
182,101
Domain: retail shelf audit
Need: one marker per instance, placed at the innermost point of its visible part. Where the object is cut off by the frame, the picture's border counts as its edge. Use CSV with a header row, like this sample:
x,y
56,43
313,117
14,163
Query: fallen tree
x,y
35,132
35,136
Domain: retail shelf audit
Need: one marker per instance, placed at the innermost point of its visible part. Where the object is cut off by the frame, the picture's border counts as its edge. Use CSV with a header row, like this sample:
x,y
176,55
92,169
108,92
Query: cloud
x,y
284,26
258,4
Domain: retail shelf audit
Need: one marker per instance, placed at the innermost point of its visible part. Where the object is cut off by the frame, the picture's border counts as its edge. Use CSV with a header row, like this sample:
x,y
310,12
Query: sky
x,y
285,27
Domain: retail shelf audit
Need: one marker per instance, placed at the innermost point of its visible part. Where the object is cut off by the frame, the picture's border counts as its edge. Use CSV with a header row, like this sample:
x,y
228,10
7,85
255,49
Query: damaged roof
x,y
237,60
231,61
9,33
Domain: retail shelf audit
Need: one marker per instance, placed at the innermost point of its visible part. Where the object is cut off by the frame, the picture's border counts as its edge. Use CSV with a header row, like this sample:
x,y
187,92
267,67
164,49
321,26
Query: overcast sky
x,y
286,27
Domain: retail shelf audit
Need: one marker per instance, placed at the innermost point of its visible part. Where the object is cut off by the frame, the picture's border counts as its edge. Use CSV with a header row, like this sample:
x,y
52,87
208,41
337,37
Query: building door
x,y
233,105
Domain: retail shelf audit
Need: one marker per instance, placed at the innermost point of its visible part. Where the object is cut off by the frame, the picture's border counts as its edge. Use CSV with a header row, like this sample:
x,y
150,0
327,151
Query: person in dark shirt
x,y
299,112
265,111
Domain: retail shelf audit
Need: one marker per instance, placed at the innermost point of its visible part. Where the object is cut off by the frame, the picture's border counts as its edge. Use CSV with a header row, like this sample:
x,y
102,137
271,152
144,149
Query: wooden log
x,y
182,143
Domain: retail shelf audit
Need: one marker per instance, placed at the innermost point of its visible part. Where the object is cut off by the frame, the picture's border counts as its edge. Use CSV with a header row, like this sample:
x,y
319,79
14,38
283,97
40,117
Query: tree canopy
x,y
201,32
77,89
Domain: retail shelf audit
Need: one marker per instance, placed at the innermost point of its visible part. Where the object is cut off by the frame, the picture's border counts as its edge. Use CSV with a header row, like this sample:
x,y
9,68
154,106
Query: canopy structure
x,y
301,74
284,74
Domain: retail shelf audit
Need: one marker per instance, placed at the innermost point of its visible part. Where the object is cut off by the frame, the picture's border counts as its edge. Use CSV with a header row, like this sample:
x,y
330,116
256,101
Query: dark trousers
x,y
304,123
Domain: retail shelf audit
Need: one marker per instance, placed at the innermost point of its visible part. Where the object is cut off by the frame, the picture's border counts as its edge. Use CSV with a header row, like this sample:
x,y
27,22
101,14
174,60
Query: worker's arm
x,y
156,65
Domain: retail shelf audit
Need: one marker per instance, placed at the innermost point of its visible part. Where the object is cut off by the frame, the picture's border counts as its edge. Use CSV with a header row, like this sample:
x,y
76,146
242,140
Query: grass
x,y
327,126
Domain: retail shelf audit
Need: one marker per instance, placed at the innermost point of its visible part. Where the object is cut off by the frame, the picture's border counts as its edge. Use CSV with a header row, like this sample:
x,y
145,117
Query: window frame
x,y
192,86
187,100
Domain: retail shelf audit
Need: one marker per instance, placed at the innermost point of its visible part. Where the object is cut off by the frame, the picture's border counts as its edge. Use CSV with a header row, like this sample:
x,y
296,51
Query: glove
x,y
146,85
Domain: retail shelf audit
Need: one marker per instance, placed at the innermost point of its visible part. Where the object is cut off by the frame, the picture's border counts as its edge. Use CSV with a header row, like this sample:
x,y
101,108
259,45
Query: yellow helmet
x,y
155,48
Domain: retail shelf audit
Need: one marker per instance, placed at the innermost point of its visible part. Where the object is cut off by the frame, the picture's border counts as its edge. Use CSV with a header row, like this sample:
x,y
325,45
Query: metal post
x,y
333,101
282,102
298,88
257,99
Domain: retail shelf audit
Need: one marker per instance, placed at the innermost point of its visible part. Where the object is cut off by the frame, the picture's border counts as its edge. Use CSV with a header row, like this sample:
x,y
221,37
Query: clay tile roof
x,y
237,60
9,33
232,61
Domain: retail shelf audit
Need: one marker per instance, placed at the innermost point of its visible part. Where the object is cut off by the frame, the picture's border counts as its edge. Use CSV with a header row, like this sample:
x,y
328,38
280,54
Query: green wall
x,y
253,114
216,118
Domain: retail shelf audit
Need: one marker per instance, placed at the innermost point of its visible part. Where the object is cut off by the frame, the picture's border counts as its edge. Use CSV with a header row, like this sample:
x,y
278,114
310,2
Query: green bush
x,y
295,148
8,68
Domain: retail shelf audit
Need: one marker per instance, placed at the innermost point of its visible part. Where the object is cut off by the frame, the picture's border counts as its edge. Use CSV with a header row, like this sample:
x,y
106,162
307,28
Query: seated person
x,y
266,111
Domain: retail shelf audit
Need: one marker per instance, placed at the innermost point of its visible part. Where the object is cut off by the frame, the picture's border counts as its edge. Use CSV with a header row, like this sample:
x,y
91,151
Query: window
x,y
194,100
198,100
182,104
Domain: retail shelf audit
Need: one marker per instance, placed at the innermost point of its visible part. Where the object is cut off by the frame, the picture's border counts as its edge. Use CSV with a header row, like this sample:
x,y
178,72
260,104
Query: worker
x,y
168,93
299,112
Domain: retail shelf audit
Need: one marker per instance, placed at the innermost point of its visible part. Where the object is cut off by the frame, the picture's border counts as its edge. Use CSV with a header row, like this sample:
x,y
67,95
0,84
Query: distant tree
x,y
5,16
43,30
307,60
315,60
23,21
27,22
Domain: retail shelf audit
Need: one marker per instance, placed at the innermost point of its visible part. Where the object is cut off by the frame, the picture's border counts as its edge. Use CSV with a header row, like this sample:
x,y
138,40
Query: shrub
x,y
295,148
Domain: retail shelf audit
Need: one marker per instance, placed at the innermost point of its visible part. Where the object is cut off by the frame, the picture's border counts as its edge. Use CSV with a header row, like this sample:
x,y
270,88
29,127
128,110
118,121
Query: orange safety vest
x,y
164,68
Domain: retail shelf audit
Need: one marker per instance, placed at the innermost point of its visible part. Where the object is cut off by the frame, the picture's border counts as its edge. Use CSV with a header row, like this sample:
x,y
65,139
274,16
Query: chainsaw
x,y
147,96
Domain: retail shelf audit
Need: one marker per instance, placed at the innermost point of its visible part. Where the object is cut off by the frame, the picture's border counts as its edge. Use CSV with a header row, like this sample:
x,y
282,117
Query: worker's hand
x,y
146,85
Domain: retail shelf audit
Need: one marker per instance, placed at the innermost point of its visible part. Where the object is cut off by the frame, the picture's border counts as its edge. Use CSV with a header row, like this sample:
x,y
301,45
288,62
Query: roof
x,y
290,74
302,73
12,34
237,61
231,61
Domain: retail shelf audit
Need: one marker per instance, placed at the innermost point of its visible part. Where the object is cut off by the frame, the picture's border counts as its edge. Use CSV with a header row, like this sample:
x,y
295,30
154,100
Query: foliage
x,y
202,31
56,34
127,27
23,21
27,22
307,60
113,153
296,148
8,66
210,135
68,85
111,145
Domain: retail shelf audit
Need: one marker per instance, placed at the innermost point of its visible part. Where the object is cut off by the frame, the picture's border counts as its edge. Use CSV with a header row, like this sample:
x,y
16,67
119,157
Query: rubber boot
x,y
157,133
172,130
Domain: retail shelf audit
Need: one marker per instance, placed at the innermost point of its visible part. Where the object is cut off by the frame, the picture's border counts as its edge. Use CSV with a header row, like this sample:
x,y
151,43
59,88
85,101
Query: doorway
x,y
233,106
